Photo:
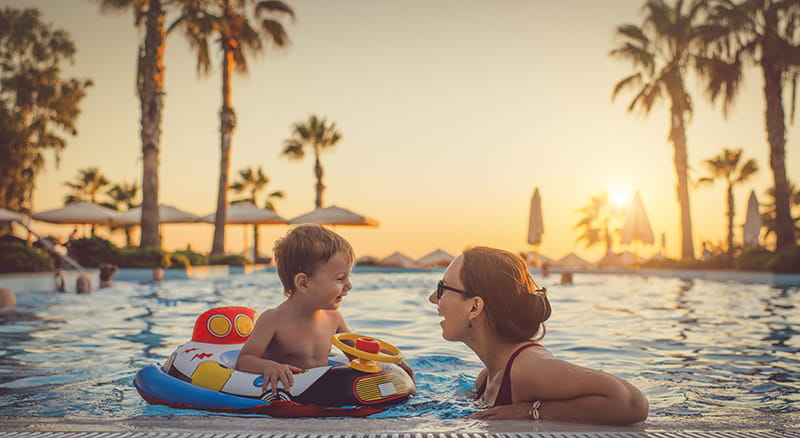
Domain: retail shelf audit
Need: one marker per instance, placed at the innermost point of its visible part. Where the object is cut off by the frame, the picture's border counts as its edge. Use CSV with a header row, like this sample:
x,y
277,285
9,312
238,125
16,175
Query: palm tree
x,y
86,186
762,32
726,166
123,197
228,21
39,104
317,134
661,51
768,216
598,223
254,182
150,87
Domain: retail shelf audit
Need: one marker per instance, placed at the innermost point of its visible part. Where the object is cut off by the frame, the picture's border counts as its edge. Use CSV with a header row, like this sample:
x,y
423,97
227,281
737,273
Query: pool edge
x,y
415,427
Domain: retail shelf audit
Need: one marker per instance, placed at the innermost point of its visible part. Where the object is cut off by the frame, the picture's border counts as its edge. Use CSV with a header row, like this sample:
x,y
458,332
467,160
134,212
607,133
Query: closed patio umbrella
x,y
535,226
752,224
636,226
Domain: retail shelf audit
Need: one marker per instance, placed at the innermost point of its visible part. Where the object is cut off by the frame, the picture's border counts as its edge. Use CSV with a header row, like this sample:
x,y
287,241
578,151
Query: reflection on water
x,y
697,348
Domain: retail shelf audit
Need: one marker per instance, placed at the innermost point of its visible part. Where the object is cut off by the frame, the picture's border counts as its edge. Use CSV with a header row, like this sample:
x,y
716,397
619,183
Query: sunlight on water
x,y
696,348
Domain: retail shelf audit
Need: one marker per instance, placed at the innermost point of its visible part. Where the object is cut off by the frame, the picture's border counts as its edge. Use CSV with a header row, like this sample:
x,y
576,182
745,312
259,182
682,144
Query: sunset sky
x,y
451,112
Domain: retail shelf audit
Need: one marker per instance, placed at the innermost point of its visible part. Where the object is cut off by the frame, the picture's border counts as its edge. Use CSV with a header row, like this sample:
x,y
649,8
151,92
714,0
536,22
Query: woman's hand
x,y
516,411
274,372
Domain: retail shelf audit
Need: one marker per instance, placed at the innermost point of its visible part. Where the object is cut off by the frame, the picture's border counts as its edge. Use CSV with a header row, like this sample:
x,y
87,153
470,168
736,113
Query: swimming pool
x,y
704,352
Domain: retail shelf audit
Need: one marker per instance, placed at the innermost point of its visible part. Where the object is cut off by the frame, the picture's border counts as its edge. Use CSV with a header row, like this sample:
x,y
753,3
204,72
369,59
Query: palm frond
x,y
638,56
749,169
723,79
274,7
631,81
633,32
294,150
275,32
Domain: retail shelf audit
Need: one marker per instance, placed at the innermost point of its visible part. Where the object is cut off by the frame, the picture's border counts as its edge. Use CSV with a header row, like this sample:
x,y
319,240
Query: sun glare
x,y
620,196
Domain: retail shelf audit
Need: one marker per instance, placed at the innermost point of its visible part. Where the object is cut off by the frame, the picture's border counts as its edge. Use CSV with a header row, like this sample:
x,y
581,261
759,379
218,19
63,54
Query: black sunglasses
x,y
441,287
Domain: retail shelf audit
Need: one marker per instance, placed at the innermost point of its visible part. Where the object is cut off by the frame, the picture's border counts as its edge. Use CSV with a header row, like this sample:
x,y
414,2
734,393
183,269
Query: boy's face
x,y
330,281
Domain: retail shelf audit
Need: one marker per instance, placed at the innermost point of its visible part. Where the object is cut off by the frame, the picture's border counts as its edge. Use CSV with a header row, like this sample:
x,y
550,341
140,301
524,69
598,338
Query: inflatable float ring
x,y
201,374
393,357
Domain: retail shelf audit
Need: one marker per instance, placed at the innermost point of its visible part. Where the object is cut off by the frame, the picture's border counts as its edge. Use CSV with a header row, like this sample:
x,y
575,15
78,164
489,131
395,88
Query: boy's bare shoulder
x,y
334,315
269,317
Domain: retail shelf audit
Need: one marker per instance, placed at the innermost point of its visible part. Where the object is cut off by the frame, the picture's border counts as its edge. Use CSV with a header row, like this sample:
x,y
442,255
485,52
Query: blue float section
x,y
156,386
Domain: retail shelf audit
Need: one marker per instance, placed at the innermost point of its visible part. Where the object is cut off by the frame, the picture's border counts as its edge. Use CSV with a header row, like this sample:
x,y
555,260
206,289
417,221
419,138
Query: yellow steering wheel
x,y
394,355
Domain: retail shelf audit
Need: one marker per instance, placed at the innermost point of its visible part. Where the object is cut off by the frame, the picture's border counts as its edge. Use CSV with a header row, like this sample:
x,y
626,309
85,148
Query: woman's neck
x,y
494,353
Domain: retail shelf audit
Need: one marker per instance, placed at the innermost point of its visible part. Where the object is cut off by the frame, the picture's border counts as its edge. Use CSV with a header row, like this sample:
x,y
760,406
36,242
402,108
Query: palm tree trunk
x,y
227,123
730,218
608,239
678,137
255,243
318,172
151,98
776,129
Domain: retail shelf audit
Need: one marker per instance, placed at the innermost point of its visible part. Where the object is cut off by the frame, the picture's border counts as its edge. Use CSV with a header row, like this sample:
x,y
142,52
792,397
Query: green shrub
x,y
194,258
786,260
717,261
91,252
19,257
150,257
179,261
230,260
754,259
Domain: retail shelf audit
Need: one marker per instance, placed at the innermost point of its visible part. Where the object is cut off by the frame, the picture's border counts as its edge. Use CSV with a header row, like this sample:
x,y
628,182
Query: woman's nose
x,y
432,298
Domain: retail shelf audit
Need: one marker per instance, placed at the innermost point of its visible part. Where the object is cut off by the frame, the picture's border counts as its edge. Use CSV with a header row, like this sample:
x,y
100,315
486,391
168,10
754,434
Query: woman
x,y
490,302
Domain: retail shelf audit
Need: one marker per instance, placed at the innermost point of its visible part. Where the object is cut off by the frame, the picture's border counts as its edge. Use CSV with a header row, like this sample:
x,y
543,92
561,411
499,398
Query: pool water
x,y
700,350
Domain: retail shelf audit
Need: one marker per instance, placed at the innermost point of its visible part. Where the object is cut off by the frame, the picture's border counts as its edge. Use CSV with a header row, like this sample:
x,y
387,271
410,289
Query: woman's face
x,y
452,306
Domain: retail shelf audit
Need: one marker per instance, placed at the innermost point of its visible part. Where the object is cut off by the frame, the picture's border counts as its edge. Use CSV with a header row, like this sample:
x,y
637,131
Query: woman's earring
x,y
469,324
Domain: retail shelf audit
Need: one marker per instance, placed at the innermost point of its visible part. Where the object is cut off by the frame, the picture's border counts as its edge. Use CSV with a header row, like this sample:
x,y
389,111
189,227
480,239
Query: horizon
x,y
450,119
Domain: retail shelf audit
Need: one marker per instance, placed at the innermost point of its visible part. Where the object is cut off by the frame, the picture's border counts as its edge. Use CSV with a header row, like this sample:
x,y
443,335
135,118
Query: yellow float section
x,y
211,375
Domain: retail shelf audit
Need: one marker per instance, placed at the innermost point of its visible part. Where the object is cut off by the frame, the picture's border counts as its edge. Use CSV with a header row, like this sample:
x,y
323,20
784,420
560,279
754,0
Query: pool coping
x,y
411,427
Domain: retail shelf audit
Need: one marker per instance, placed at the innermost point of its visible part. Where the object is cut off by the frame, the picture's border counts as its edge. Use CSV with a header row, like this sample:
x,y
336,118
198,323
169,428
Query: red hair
x,y
514,304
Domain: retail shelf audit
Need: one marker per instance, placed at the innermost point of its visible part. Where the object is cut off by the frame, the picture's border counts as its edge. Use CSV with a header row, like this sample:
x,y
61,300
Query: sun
x,y
620,196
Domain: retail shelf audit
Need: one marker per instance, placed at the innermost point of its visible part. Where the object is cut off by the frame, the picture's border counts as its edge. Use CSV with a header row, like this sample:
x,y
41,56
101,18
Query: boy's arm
x,y
341,325
250,357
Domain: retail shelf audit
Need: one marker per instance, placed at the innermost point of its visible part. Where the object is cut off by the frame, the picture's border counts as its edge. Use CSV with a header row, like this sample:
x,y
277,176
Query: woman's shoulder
x,y
533,357
533,351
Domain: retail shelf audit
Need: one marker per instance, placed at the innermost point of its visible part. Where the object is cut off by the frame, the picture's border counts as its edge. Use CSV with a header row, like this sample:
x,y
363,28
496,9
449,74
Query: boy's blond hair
x,y
303,248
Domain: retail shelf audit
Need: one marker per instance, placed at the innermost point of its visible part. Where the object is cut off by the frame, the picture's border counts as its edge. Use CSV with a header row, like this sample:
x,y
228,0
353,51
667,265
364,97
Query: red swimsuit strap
x,y
504,394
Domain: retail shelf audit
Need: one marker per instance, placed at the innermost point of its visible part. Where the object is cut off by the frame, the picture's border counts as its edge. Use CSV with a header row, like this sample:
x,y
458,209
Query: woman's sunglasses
x,y
440,288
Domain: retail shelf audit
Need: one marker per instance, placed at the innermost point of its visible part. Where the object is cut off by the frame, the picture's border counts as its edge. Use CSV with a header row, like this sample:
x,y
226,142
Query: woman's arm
x,y
569,392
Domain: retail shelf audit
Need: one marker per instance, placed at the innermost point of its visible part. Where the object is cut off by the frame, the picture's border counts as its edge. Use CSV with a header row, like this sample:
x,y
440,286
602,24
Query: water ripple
x,y
696,348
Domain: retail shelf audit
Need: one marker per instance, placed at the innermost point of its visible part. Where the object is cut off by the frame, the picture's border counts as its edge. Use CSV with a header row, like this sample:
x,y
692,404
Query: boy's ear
x,y
301,282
